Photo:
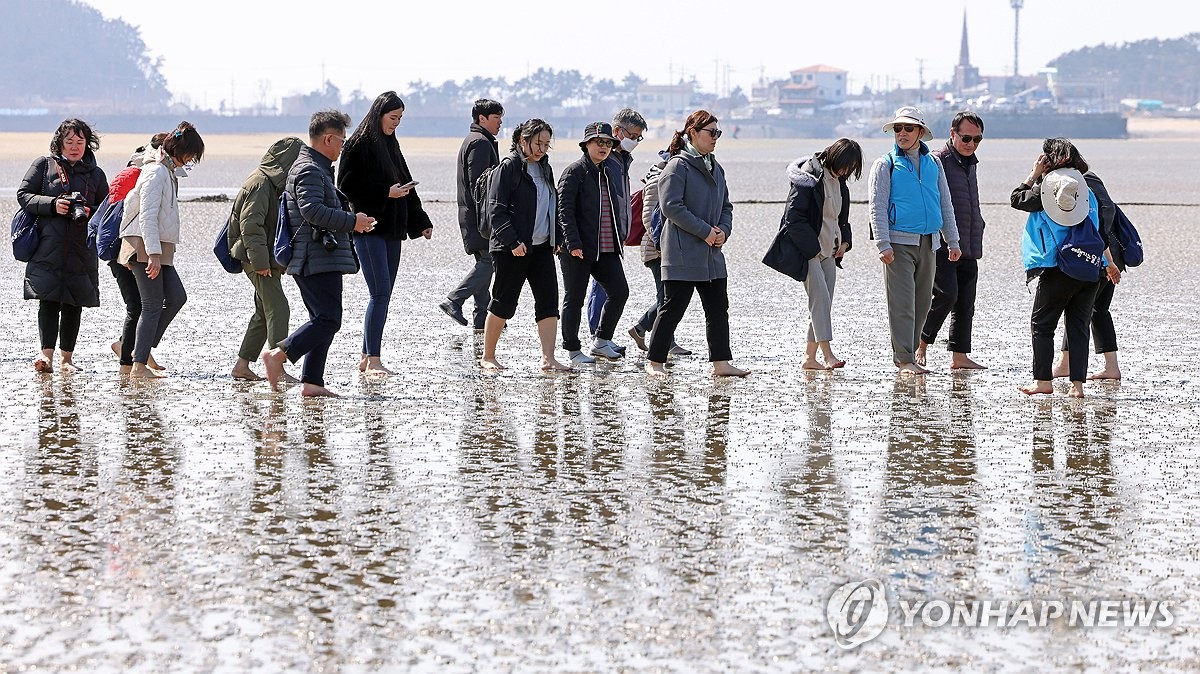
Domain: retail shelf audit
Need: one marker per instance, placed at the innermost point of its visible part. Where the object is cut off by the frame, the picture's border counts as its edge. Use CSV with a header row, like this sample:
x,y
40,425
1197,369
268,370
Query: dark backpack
x,y
1129,240
1081,254
285,236
479,194
637,229
104,227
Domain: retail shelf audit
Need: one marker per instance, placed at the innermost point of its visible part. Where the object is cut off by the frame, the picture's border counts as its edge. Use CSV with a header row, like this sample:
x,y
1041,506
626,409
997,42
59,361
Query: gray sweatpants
x,y
909,283
822,274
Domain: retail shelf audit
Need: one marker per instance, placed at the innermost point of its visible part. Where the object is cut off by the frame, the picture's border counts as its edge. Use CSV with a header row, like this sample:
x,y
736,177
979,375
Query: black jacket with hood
x,y
803,216
478,153
512,204
579,205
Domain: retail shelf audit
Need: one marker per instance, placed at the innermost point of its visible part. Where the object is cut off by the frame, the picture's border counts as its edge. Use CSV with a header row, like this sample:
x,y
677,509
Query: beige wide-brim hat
x,y
1065,196
910,114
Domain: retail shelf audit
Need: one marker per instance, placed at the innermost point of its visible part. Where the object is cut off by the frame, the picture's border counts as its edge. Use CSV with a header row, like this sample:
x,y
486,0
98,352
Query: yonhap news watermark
x,y
859,611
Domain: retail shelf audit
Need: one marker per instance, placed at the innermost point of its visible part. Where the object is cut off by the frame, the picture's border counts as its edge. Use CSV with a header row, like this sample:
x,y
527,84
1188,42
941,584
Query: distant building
x,y
966,76
804,92
661,101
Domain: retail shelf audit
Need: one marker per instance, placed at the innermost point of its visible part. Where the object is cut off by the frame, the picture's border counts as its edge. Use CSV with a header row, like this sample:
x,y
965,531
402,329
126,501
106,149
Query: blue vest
x,y
915,204
1043,237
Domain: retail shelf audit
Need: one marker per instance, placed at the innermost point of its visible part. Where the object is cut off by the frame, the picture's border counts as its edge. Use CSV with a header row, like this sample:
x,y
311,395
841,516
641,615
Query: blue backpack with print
x,y
1081,254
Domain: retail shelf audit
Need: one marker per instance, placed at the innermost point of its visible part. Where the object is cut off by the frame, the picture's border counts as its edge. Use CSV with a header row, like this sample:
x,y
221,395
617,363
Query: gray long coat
x,y
693,200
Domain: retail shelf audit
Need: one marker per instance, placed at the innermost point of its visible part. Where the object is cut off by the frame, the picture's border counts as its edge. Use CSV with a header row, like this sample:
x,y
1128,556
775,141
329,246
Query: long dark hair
x,y
695,121
385,149
1061,153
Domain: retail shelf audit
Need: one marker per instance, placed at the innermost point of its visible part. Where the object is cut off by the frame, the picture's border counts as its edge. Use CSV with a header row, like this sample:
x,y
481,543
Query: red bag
x,y
637,230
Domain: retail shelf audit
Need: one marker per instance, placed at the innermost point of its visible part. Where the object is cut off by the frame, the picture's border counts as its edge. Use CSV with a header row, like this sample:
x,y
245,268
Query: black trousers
x,y
954,296
1104,333
322,294
127,284
1059,294
610,274
714,297
51,330
535,266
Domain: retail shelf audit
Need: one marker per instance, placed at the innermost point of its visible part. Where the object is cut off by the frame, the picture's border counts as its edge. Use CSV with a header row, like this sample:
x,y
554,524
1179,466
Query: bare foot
x,y
314,391
812,364
725,368
960,361
551,364
362,363
69,366
153,364
41,363
374,366
241,371
1076,389
1106,373
288,379
140,371
125,369
273,362
116,348
656,369
919,356
911,368
833,362
1037,388
490,364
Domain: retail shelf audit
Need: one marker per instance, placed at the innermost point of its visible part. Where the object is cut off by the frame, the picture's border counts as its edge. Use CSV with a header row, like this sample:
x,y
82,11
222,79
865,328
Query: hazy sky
x,y
256,49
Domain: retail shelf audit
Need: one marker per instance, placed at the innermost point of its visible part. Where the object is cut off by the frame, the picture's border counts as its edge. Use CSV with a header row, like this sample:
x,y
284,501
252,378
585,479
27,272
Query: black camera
x,y
77,208
326,237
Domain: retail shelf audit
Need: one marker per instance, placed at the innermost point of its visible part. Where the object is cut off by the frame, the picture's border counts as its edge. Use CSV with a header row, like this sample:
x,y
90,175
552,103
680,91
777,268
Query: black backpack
x,y
479,194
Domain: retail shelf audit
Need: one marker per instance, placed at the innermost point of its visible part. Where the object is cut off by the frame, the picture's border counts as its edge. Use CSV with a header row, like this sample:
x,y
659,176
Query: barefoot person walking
x,y
521,214
694,200
321,252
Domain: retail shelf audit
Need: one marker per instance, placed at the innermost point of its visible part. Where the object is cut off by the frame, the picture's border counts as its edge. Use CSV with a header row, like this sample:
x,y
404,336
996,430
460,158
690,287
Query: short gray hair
x,y
629,117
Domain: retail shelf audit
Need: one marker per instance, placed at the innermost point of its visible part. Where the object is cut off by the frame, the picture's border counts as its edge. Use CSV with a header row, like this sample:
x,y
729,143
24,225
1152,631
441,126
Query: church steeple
x,y
964,52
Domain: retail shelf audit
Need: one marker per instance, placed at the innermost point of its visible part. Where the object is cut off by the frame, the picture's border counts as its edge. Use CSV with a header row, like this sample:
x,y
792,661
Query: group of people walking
x,y
516,219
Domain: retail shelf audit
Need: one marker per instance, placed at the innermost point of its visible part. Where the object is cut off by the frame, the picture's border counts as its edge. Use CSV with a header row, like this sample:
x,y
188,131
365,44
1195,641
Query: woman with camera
x,y
149,234
375,178
61,191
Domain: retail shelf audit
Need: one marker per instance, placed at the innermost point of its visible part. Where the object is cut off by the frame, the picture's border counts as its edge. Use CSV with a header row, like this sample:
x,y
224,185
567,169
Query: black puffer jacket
x,y
314,202
363,180
579,205
963,181
63,268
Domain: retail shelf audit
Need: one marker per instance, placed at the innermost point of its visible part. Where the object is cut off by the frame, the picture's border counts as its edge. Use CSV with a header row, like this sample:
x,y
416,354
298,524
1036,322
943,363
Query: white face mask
x,y
628,144
181,171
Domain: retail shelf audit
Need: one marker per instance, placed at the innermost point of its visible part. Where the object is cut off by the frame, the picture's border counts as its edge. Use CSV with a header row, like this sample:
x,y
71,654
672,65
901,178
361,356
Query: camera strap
x,y
62,176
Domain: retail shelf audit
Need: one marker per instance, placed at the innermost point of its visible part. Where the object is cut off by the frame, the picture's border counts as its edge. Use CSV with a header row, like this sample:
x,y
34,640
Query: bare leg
x,y
1076,389
41,362
725,368
273,361
1063,367
314,391
1111,369
961,361
831,361
656,369
374,366
920,354
67,364
1039,386
810,358
150,362
547,330
492,327
241,371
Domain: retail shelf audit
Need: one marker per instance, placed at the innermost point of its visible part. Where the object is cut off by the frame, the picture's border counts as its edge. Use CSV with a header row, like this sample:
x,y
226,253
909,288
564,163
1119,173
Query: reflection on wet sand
x,y
816,498
928,521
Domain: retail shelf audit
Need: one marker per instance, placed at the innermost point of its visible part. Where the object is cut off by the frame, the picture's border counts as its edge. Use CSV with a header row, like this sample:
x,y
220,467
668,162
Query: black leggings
x,y
51,329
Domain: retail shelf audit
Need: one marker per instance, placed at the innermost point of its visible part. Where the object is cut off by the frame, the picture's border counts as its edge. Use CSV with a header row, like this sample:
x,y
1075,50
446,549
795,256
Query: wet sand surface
x,y
596,521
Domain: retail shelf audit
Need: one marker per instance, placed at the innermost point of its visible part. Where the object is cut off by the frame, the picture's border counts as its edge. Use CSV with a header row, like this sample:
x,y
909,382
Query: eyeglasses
x,y
603,142
629,134
715,133
906,128
971,139
340,139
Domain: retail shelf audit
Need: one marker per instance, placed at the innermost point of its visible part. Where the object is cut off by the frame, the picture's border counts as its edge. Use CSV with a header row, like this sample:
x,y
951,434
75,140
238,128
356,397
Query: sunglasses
x,y
715,133
971,139
906,128
602,142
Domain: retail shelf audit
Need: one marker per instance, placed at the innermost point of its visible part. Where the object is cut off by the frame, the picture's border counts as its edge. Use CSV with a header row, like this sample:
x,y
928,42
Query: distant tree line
x,y
1166,70
64,55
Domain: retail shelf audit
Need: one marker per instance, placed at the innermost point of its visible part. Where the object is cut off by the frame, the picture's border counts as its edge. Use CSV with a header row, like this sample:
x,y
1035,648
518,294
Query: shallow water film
x,y
444,520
